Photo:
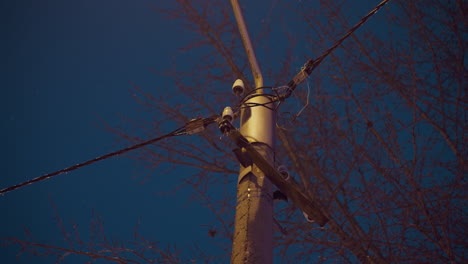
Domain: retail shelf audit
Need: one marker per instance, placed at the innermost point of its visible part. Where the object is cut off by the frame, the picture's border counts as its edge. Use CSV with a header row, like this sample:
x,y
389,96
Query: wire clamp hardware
x,y
280,178
195,126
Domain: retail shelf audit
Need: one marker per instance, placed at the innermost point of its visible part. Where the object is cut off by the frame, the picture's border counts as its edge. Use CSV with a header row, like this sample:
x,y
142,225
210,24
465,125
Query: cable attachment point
x,y
194,126
225,124
283,92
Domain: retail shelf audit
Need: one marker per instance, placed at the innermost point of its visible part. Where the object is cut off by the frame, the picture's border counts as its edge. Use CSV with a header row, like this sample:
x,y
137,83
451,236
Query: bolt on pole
x,y
253,231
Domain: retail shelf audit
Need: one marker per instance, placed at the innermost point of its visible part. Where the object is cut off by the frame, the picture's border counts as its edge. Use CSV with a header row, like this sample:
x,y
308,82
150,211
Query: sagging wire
x,y
293,117
274,98
285,91
307,101
197,125
253,93
243,104
190,128
273,104
311,64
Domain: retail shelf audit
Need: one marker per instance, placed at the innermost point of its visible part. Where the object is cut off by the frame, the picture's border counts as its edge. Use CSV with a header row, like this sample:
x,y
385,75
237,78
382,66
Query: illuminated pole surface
x,y
253,231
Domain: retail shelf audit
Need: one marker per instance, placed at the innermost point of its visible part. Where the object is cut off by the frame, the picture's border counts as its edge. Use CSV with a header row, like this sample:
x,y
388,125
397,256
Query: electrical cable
x,y
285,91
311,64
244,104
252,93
299,78
307,101
180,131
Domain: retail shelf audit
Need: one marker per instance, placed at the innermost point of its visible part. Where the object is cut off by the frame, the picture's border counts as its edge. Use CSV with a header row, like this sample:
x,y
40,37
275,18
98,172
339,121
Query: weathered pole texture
x,y
253,231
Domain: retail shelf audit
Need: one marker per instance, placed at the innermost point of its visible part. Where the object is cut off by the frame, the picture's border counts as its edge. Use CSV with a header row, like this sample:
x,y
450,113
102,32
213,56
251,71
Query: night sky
x,y
66,73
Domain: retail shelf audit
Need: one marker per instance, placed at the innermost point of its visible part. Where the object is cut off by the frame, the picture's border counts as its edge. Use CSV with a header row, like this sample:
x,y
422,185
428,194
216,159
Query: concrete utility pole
x,y
253,231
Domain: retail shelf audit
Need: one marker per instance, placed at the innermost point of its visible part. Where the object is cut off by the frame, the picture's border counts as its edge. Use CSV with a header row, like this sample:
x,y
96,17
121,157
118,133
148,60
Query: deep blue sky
x,y
65,67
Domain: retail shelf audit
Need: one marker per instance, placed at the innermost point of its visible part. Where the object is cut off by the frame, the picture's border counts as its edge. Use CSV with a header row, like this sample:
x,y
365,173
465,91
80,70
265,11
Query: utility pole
x,y
253,231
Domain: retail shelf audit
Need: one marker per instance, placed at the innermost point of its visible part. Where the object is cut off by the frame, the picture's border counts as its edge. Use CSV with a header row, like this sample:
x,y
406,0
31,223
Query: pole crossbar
x,y
288,186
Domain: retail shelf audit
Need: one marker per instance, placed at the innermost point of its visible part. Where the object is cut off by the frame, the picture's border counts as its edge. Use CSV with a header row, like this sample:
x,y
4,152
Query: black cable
x,y
299,78
250,104
109,155
253,93
312,64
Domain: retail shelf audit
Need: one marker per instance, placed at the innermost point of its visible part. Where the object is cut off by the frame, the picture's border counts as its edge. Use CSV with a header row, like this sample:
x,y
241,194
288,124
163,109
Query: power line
x,y
192,127
311,64
197,125
91,161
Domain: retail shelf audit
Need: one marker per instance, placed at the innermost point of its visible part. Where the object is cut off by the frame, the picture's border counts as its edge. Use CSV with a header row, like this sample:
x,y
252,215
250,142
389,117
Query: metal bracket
x,y
243,157
195,126
244,173
289,187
